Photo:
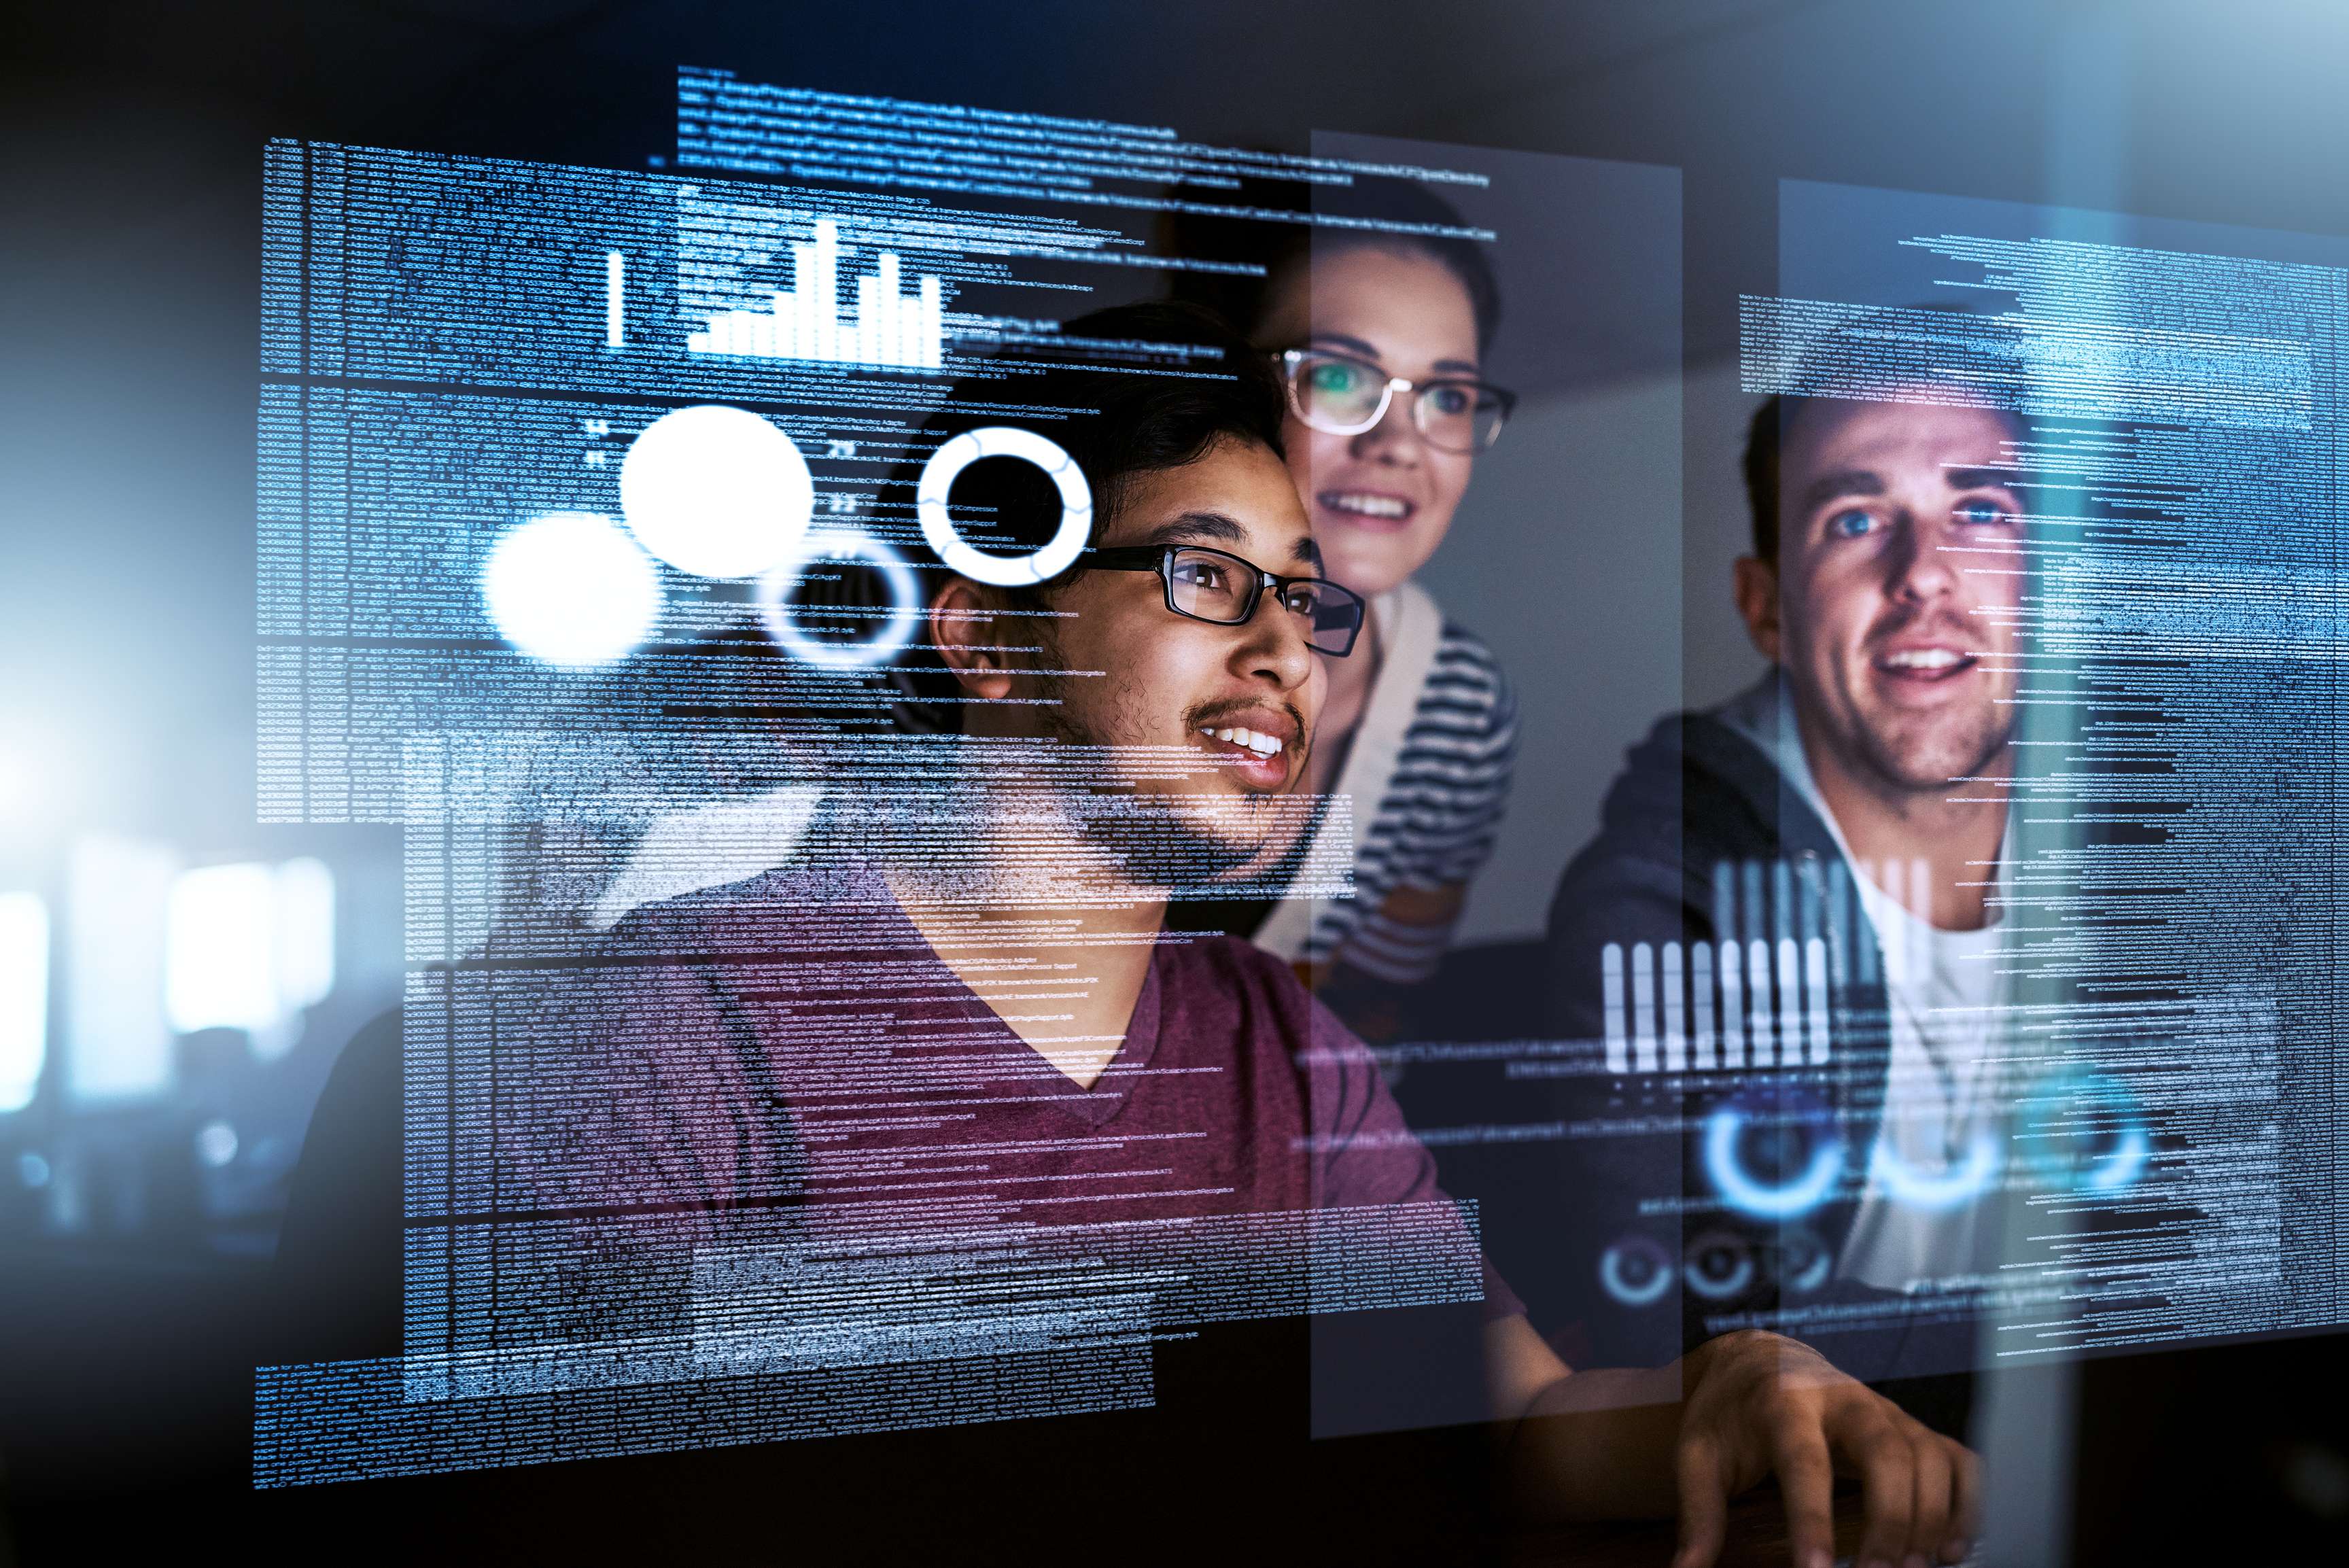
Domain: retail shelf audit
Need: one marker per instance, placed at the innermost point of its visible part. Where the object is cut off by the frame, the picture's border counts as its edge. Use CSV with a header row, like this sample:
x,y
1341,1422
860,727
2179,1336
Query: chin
x,y
1369,566
1930,762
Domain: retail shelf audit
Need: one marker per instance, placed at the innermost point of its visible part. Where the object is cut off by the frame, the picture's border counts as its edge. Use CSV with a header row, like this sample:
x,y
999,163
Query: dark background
x,y
130,145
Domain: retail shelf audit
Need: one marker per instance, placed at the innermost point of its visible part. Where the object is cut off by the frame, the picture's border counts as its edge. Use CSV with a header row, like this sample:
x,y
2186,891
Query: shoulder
x,y
1464,697
1693,792
1232,966
753,915
1463,663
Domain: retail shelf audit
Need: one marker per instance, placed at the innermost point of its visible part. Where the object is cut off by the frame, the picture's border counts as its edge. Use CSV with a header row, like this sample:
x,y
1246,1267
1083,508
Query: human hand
x,y
1758,1403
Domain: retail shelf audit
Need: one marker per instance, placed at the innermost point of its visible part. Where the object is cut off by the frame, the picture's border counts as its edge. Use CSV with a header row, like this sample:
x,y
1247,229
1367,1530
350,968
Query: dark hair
x,y
1372,213
1128,391
1862,359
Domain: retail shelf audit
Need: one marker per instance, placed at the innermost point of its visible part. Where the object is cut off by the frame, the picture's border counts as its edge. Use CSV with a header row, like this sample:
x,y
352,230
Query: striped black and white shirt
x,y
1428,774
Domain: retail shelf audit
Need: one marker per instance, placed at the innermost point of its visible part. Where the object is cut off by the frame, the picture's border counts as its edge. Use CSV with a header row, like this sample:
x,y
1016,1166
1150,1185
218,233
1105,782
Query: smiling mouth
x,y
1370,504
1926,664
1258,760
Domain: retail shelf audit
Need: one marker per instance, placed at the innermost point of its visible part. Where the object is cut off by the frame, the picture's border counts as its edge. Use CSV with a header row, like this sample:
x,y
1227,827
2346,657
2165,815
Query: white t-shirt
x,y
1922,1218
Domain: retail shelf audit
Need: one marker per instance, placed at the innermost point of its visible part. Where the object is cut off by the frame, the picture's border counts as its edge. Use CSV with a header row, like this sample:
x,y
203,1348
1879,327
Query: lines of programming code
x,y
2175,906
590,533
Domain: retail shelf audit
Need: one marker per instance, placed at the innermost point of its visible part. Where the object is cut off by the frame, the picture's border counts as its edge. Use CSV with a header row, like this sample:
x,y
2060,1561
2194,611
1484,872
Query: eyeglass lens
x,y
1206,584
1342,395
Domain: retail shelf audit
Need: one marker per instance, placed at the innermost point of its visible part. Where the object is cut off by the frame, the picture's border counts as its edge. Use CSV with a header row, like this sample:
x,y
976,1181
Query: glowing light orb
x,y
717,491
570,589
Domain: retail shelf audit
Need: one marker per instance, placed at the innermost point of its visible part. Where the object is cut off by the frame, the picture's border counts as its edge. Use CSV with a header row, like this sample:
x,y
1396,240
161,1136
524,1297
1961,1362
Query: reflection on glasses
x,y
1341,396
1209,585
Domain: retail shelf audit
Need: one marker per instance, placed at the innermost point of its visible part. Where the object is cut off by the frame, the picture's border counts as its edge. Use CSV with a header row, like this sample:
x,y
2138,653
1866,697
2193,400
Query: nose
x,y
1918,567
1274,649
1395,438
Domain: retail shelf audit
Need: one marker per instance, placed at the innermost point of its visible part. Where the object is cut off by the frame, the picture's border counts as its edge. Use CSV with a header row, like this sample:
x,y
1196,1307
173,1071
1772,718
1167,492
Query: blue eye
x,y
1849,524
1980,513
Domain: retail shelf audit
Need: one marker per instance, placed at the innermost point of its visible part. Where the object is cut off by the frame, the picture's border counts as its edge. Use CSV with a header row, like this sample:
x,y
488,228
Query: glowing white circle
x,y
570,589
717,491
903,614
1004,572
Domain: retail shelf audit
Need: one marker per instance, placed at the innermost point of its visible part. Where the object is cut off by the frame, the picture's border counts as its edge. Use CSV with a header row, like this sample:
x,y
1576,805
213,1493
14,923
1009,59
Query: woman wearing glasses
x,y
1381,333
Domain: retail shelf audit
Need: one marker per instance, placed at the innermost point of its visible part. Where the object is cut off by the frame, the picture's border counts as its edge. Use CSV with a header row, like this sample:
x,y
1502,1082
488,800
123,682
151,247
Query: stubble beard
x,y
1157,841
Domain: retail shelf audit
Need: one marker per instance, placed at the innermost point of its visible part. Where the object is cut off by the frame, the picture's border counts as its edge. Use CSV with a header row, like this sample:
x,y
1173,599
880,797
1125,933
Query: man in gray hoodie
x,y
1783,940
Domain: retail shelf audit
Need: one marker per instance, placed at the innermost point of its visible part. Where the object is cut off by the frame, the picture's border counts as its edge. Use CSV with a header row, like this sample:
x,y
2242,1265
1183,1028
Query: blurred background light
x,y
24,997
570,588
248,947
216,1143
117,1039
306,933
220,962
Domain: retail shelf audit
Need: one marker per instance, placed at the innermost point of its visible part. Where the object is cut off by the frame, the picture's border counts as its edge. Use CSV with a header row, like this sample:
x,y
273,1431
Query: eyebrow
x,y
1196,527
1868,482
1983,478
1843,482
1356,346
1191,527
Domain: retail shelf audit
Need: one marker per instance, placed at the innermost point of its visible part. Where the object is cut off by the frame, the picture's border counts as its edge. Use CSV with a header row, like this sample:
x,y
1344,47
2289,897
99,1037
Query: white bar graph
x,y
889,328
1643,1007
1619,1038
1773,1007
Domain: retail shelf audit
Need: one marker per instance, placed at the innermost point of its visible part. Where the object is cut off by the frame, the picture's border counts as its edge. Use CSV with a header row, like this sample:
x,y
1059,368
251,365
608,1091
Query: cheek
x,y
1448,475
1312,451
1828,617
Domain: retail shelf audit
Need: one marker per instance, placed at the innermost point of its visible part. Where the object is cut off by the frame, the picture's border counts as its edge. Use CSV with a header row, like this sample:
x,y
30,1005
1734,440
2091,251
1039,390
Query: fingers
x,y
1887,1462
1703,1502
1965,1502
1928,1518
1806,1479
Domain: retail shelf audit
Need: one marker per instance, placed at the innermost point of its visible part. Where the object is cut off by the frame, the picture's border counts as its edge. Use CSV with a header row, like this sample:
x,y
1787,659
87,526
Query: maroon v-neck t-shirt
x,y
793,1040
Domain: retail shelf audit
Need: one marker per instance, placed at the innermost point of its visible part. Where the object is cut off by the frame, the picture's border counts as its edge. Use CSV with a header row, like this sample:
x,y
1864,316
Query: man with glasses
x,y
963,1015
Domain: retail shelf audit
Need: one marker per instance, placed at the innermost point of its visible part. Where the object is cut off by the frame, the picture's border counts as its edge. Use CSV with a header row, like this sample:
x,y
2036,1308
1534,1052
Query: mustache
x,y
1206,714
1939,620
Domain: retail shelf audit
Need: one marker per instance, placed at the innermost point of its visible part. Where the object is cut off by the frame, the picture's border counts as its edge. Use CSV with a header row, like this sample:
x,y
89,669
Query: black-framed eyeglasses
x,y
1340,395
1210,585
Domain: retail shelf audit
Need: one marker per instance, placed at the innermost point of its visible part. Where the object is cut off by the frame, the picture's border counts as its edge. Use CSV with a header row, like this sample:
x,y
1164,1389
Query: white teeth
x,y
1923,659
1367,505
1262,745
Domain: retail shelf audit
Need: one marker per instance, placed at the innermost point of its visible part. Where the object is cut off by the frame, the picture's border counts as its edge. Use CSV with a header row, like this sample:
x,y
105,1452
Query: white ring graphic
x,y
1612,1263
1740,1275
1801,1195
1936,1194
1003,572
905,603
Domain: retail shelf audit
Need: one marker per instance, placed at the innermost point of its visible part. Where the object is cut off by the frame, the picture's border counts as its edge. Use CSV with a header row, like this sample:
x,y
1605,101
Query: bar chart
x,y
890,327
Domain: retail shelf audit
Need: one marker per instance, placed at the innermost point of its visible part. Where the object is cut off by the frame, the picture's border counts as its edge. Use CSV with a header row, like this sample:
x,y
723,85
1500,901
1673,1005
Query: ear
x,y
1757,602
964,627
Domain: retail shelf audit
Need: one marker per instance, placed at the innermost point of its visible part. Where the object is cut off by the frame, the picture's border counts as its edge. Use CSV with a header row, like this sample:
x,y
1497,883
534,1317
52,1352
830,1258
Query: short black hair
x,y
1860,361
1128,391
1372,214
